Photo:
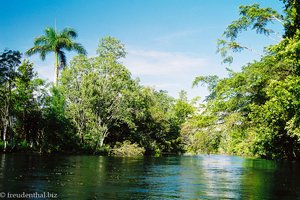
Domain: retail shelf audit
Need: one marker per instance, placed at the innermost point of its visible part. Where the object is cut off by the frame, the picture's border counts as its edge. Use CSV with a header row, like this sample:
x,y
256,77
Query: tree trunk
x,y
6,119
4,135
7,130
101,142
56,70
102,136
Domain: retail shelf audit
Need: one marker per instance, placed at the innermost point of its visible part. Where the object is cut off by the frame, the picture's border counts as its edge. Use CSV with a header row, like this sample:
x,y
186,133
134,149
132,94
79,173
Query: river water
x,y
181,177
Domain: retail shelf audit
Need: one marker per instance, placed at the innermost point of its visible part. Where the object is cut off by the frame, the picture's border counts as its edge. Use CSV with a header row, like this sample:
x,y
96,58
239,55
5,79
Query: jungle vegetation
x,y
254,112
95,106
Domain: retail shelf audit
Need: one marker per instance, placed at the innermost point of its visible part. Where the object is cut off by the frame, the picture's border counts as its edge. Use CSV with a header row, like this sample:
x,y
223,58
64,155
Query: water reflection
x,y
271,180
189,177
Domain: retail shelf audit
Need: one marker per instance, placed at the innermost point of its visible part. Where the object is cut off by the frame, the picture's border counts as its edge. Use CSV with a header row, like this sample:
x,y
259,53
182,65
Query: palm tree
x,y
56,42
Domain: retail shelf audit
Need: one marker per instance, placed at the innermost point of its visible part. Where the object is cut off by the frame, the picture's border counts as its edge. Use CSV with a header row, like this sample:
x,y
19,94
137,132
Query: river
x,y
181,177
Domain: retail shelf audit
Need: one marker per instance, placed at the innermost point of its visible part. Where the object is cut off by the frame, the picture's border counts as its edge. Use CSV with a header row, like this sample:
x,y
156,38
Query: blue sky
x,y
169,42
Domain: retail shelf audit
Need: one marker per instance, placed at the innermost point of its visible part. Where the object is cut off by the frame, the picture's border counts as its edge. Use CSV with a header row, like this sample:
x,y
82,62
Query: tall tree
x,y
256,111
292,10
27,111
56,42
9,61
94,89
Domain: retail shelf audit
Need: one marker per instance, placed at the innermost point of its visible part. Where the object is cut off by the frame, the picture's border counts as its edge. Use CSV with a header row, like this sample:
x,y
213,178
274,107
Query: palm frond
x,y
62,59
79,48
57,42
40,41
69,32
50,34
64,43
33,50
44,51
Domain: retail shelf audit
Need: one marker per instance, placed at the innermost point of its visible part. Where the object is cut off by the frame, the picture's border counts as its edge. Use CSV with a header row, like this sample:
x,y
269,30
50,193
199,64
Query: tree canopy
x,y
97,107
57,42
254,112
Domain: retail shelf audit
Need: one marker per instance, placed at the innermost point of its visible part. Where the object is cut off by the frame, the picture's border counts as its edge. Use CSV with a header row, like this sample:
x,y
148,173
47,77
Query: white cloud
x,y
46,72
159,69
171,71
45,69
157,63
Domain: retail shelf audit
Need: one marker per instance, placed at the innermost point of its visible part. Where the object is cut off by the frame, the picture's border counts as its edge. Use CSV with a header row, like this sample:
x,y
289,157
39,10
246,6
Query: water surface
x,y
185,177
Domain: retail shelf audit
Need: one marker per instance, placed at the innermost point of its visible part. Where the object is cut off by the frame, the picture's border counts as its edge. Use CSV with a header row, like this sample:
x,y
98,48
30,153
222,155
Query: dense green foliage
x,y
127,149
95,107
254,112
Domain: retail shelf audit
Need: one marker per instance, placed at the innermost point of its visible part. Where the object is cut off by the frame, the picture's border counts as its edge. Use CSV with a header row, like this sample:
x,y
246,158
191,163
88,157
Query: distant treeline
x,y
95,107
